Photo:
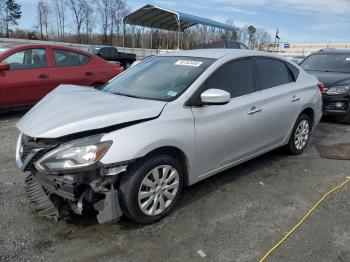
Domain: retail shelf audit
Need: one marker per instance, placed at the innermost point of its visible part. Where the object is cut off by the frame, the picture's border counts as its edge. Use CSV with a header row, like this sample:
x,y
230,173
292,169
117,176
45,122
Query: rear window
x,y
327,63
64,58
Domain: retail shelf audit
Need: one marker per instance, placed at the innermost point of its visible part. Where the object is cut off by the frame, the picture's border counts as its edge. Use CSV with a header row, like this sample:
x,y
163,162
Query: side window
x,y
294,70
231,44
114,52
243,46
271,73
27,59
64,58
84,59
106,52
235,78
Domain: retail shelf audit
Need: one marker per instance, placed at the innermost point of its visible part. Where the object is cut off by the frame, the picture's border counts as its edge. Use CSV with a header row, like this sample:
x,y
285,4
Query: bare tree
x,y
119,10
261,38
88,23
103,7
59,7
43,18
77,8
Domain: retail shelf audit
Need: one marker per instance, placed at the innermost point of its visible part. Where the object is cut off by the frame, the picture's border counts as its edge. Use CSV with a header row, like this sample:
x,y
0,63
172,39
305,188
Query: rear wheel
x,y
151,188
300,135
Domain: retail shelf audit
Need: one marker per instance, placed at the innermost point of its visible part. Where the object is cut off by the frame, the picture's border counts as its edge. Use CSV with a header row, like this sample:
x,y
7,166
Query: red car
x,y
29,72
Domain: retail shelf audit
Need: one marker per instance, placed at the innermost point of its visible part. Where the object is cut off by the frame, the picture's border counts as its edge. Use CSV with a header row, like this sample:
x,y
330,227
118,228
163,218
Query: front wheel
x,y
300,135
150,189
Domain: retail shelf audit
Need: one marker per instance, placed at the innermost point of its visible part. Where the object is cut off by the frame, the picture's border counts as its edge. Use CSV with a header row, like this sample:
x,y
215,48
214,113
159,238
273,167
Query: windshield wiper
x,y
327,71
122,94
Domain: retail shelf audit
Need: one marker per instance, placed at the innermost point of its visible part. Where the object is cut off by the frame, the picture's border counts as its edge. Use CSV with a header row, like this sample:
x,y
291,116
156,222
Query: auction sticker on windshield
x,y
188,63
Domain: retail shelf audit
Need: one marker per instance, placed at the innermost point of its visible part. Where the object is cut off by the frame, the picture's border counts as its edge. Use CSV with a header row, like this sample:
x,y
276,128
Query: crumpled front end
x,y
91,191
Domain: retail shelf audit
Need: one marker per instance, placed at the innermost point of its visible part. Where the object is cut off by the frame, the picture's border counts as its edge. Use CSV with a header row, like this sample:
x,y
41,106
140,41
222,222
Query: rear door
x,y
71,68
221,135
272,111
29,79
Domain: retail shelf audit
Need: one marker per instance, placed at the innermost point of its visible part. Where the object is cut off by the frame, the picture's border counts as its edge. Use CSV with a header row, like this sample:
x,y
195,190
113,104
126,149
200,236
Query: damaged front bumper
x,y
57,196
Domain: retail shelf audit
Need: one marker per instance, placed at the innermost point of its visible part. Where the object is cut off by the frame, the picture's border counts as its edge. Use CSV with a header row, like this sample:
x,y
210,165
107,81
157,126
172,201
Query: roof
x,y
17,46
334,51
218,53
161,18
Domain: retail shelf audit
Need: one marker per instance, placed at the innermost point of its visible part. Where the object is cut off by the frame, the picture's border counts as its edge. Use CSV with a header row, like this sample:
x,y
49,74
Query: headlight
x,y
78,154
338,90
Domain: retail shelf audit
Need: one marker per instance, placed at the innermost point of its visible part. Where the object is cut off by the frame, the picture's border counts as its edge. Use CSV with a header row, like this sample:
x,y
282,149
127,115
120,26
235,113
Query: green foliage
x,y
13,12
251,30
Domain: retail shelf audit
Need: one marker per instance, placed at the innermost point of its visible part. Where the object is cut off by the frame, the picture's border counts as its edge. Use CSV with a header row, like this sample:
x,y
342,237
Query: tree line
x,y
100,22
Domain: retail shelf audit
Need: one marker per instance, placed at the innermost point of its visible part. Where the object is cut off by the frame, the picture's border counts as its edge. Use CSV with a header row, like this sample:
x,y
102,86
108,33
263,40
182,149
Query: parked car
x,y
168,122
332,68
296,59
29,72
111,53
221,44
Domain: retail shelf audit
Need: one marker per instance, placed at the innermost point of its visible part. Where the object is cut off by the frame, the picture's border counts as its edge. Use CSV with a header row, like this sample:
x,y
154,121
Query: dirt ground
x,y
237,215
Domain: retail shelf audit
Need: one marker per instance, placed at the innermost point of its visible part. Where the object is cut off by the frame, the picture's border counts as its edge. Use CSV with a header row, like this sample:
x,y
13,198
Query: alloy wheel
x,y
302,134
158,190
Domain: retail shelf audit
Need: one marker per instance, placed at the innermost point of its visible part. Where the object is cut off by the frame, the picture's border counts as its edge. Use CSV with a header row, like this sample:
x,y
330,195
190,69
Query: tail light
x,y
320,86
118,69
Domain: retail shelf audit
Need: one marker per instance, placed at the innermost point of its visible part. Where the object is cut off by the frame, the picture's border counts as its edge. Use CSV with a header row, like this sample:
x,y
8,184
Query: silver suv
x,y
168,122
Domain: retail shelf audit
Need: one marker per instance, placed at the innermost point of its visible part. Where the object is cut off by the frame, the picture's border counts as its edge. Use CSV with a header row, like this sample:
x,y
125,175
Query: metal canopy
x,y
161,18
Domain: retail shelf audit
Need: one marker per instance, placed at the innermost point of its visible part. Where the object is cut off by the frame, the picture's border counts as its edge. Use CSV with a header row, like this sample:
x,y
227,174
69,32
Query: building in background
x,y
302,49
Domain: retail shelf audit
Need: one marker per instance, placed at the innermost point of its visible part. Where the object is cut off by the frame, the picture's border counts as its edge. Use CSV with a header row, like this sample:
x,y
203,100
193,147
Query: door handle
x,y
295,98
42,76
89,73
254,110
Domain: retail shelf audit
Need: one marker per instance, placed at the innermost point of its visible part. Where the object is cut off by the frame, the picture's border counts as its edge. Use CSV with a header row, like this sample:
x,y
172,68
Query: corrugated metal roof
x,y
161,18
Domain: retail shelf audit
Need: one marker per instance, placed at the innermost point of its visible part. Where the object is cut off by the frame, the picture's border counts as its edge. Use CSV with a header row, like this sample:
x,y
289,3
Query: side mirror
x,y
215,97
4,67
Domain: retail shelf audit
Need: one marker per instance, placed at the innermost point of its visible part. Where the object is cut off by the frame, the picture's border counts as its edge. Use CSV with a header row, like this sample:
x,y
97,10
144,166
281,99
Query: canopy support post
x,y
151,40
124,29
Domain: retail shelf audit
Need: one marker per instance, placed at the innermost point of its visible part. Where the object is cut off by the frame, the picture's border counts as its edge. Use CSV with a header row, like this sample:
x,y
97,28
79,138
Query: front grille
x,y
28,145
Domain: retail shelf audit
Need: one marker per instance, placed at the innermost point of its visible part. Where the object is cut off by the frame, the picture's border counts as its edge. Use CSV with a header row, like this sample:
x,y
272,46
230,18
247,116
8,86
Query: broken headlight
x,y
78,154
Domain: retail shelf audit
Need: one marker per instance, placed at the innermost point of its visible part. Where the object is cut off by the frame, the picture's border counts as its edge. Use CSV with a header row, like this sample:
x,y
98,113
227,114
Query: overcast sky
x,y
297,20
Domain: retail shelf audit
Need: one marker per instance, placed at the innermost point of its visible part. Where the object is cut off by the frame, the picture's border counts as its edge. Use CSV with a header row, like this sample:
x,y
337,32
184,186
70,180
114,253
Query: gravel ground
x,y
235,216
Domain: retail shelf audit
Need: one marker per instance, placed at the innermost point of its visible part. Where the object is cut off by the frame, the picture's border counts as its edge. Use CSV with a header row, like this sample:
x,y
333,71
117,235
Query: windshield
x,y
327,63
161,78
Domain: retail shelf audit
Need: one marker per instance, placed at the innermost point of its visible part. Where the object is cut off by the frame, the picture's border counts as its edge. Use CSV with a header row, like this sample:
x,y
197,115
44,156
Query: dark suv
x,y
332,68
221,44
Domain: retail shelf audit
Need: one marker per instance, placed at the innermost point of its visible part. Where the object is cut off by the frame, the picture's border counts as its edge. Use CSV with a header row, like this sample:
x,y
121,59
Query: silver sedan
x,y
168,122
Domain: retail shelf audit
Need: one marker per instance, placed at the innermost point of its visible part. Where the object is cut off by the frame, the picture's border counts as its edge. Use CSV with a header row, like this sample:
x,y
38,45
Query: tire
x,y
300,137
98,86
344,119
127,65
134,182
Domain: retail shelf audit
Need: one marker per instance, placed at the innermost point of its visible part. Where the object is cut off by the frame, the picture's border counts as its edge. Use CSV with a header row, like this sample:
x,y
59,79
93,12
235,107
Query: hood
x,y
331,78
72,109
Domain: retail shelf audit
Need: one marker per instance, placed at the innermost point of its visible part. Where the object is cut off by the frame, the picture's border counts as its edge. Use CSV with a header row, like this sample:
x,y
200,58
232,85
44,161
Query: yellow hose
x,y
273,249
